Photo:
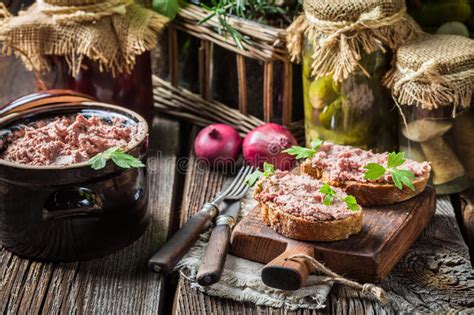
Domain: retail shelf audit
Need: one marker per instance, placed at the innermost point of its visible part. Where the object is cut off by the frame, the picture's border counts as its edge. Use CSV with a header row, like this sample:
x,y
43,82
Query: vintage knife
x,y
212,263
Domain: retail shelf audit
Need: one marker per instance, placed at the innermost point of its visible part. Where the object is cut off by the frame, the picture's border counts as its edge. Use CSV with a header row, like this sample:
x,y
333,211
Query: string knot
x,y
375,291
366,288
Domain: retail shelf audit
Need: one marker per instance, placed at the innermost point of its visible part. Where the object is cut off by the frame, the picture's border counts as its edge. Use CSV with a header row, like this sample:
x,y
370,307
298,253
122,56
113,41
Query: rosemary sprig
x,y
120,158
256,10
400,177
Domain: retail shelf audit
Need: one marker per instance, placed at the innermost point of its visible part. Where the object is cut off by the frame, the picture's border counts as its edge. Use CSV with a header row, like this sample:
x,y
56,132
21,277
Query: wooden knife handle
x,y
282,273
179,244
212,263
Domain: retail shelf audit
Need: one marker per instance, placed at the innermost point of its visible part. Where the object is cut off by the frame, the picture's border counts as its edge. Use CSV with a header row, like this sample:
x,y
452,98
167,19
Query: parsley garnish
x,y
330,195
268,170
400,177
304,153
120,158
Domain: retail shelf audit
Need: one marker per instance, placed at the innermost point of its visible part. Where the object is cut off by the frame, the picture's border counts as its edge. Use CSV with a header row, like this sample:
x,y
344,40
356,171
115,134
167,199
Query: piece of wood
x,y
119,283
467,218
285,274
242,79
179,244
212,263
267,91
387,233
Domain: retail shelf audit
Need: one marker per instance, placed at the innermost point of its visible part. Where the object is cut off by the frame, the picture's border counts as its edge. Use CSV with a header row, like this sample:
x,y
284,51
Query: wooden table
x,y
121,283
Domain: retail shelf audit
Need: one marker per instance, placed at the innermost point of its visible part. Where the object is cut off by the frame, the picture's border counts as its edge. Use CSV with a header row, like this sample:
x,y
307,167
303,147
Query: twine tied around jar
x,y
435,71
367,288
337,44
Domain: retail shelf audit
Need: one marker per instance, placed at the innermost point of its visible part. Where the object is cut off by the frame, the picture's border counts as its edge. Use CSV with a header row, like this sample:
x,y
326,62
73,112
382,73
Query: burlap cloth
x,y
435,71
339,31
109,32
241,279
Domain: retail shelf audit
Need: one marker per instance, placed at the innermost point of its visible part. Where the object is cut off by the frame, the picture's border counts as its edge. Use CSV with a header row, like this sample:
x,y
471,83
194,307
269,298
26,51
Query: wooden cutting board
x,y
387,234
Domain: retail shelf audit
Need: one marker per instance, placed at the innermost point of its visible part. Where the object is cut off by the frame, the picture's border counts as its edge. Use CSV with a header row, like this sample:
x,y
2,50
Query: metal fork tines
x,y
237,188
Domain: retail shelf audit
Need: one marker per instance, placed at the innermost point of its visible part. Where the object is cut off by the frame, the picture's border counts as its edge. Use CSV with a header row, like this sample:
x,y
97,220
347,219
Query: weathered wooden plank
x,y
467,218
435,275
119,283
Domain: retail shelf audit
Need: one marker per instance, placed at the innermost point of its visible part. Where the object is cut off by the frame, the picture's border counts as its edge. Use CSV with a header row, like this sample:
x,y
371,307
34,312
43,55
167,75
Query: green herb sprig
x,y
303,152
120,158
330,195
257,10
268,170
400,177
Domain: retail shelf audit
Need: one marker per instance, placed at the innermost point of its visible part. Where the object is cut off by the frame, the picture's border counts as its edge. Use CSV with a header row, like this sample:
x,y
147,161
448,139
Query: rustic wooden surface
x,y
434,275
387,234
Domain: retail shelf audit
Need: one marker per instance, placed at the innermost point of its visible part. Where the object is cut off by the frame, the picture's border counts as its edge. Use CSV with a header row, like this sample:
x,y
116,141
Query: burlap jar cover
x,y
340,30
109,32
435,71
436,74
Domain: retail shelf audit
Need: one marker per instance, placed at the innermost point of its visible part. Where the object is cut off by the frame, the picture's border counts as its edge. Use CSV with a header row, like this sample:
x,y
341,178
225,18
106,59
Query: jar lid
x,y
437,70
339,30
110,32
350,10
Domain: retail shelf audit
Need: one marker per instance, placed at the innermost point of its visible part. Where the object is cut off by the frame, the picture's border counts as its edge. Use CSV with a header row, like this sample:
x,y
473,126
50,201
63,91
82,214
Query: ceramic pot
x,y
66,213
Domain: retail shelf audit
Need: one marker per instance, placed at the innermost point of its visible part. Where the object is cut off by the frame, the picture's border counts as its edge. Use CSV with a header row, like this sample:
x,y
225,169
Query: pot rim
x,y
93,105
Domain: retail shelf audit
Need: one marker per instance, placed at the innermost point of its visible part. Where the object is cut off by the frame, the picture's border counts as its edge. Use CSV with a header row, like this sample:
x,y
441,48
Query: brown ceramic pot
x,y
65,213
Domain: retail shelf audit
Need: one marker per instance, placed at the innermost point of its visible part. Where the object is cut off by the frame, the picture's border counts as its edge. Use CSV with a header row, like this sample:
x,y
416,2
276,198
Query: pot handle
x,y
47,97
72,202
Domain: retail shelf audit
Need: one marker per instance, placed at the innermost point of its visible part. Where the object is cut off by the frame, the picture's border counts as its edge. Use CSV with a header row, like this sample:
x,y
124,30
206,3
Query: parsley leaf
x,y
252,178
328,200
403,177
400,177
329,194
120,158
374,171
351,202
304,153
395,159
268,170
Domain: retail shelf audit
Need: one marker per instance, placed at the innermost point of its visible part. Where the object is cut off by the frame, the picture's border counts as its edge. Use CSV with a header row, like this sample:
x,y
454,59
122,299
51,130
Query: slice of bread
x,y
304,230
370,194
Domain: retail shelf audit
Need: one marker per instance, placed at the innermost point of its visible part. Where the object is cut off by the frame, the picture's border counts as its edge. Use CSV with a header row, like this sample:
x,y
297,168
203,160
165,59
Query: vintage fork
x,y
179,244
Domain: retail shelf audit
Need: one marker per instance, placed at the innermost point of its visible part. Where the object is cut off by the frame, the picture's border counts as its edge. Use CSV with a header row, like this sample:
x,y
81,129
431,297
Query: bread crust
x,y
305,230
370,194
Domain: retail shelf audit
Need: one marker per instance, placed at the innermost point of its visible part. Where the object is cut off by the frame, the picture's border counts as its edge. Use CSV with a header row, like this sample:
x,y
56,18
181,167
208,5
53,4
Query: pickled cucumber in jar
x,y
357,111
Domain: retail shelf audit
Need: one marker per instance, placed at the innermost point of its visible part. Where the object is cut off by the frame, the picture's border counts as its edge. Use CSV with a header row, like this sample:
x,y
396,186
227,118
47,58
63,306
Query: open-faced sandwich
x,y
301,207
372,178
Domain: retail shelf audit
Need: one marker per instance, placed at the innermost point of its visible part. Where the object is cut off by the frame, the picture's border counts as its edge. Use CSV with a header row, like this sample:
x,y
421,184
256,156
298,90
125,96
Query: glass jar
x,y
357,111
443,17
447,142
133,91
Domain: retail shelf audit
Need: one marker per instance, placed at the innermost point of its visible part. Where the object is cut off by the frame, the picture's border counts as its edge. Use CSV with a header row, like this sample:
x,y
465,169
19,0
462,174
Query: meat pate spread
x,y
345,163
299,196
65,140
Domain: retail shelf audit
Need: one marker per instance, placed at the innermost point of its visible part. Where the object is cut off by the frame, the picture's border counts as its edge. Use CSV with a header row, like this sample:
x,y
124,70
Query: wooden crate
x,y
282,97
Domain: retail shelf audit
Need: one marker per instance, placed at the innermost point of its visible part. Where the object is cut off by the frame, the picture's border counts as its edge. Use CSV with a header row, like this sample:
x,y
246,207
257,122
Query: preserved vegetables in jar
x,y
358,111
131,90
97,47
345,47
432,82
